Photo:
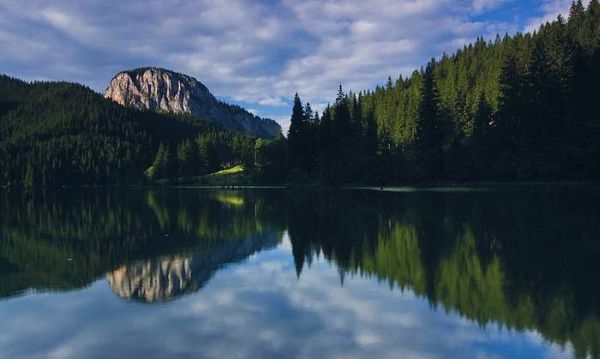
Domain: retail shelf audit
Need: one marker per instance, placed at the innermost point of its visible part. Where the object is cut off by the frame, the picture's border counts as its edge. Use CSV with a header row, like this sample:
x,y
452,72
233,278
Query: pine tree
x,y
296,120
341,118
186,158
308,114
482,118
428,137
161,167
325,140
309,135
297,135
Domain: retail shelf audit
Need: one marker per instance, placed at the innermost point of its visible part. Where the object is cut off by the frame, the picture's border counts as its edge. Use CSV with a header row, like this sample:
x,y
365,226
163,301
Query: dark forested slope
x,y
64,133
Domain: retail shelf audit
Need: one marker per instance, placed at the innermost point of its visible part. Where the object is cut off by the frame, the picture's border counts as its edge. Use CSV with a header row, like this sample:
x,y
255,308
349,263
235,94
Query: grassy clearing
x,y
237,170
227,177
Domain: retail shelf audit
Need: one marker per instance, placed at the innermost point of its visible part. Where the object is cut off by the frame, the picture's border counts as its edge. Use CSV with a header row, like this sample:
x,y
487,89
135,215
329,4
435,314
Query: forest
x,y
54,134
518,108
522,107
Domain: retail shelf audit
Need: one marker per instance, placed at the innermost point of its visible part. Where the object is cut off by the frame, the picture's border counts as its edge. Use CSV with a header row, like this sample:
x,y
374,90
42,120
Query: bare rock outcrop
x,y
158,89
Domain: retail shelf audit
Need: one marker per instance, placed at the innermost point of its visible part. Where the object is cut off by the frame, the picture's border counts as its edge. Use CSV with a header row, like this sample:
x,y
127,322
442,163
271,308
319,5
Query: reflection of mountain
x,y
526,259
68,240
155,280
166,278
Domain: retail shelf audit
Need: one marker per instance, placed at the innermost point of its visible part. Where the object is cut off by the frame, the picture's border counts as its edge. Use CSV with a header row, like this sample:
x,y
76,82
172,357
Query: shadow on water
x,y
522,257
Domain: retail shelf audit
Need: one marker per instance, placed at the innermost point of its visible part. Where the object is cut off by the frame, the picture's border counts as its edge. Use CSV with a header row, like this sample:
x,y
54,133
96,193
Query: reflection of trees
x,y
524,259
213,215
66,241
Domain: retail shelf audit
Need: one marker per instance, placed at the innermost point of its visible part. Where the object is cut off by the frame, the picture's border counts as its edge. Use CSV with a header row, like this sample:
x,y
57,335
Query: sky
x,y
256,54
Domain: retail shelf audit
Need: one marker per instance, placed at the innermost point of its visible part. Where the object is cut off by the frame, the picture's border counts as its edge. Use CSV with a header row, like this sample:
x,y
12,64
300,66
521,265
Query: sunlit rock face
x,y
163,90
155,280
165,278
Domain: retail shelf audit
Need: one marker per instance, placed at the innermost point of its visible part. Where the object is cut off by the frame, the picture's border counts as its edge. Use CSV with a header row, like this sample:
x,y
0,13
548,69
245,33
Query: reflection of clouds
x,y
258,309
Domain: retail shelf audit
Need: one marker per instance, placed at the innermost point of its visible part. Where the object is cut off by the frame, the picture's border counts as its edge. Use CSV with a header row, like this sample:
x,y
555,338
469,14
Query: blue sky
x,y
253,53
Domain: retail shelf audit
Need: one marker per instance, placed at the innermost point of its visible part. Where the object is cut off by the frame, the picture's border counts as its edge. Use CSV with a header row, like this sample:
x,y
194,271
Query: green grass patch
x,y
236,170
233,176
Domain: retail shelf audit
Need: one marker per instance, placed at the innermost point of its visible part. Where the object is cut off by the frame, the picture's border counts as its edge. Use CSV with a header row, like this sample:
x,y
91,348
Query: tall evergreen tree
x,y
427,161
161,167
186,158
296,133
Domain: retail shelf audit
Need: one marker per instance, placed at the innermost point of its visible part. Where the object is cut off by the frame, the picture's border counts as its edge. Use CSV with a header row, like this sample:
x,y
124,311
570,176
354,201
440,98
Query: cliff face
x,y
163,90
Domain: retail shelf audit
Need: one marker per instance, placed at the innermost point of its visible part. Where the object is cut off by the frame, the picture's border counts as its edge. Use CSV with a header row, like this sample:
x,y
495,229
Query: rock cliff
x,y
163,90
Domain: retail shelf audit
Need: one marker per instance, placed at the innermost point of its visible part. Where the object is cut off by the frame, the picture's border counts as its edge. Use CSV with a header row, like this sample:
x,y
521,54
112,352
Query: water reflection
x,y
524,258
165,278
68,241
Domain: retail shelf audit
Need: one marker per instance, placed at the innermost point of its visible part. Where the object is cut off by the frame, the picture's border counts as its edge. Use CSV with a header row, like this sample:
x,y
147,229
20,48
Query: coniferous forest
x,y
53,134
517,108
525,107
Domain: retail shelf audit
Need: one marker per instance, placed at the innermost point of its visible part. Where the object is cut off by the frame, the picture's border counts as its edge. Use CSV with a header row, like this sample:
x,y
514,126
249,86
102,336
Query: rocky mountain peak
x,y
157,89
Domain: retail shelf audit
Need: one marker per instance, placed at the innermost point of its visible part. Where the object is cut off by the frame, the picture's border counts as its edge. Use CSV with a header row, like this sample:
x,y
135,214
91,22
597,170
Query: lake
x,y
476,272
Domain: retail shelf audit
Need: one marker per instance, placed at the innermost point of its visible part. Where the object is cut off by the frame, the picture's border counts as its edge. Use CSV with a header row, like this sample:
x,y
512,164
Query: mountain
x,y
158,89
60,133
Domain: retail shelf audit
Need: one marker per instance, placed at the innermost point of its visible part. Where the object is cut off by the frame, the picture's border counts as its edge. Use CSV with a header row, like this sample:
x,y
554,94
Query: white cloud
x,y
483,5
550,10
271,101
284,122
259,53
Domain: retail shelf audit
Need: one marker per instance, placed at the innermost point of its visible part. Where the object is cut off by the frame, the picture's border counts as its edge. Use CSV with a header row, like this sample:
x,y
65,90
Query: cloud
x,y
550,10
256,53
284,122
271,101
483,5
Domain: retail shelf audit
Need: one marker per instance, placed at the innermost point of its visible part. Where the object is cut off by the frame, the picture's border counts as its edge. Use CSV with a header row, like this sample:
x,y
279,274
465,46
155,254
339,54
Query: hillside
x,y
55,133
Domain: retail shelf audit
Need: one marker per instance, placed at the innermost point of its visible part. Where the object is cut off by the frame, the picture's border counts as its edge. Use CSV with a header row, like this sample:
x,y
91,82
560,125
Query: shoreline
x,y
404,187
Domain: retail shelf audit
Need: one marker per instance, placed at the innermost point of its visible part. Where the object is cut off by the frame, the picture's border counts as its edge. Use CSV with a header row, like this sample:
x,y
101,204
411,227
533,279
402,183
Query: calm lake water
x,y
509,272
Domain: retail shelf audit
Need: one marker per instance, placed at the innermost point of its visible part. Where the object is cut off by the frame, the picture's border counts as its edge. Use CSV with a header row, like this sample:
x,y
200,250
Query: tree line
x,y
522,107
58,133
